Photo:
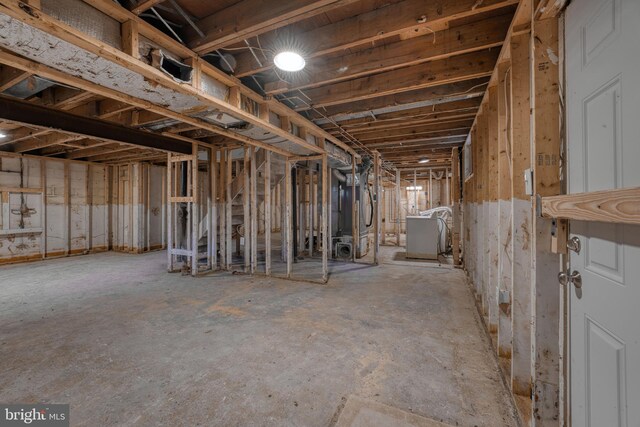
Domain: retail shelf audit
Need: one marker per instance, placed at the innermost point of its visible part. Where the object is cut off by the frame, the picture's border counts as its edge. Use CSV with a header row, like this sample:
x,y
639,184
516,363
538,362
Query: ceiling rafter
x,y
391,20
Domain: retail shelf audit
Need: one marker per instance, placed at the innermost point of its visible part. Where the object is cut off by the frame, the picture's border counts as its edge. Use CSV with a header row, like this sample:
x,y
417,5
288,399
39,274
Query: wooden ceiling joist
x,y
411,131
391,20
250,18
434,95
144,5
451,70
436,111
97,150
469,38
53,138
9,77
452,139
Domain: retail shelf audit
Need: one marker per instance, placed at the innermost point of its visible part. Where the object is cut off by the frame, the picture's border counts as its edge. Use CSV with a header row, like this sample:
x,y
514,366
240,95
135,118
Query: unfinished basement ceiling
x,y
401,77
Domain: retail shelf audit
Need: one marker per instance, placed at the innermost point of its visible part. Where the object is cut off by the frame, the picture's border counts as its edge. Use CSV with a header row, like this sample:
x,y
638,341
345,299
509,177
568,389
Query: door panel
x,y
603,127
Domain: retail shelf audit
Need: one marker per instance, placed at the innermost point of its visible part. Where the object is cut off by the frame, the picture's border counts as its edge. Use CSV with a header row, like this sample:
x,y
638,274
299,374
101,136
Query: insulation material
x,y
78,213
213,87
20,213
53,52
121,201
98,188
156,207
56,230
85,18
138,220
76,216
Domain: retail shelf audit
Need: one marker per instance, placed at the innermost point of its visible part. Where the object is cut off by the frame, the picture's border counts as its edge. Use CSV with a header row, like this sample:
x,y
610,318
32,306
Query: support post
x,y
246,202
504,218
170,228
222,212
254,211
213,208
430,205
492,223
455,201
376,226
229,210
355,232
545,342
398,208
287,217
522,215
195,209
325,222
310,212
267,213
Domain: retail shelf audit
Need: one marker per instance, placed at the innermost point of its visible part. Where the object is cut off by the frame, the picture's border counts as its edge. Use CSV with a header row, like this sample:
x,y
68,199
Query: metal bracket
x,y
538,206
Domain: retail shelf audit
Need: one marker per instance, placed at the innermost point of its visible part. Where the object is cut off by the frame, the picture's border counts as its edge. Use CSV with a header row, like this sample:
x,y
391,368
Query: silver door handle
x,y
574,244
570,277
563,278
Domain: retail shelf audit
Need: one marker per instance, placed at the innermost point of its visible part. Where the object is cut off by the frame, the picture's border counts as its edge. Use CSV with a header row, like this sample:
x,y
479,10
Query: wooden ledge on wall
x,y
615,206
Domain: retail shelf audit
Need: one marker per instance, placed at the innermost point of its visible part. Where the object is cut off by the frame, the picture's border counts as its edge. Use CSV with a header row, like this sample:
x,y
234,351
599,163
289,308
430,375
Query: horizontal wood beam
x,y
97,150
431,47
9,77
250,18
451,119
411,99
437,111
614,206
391,20
405,139
453,140
48,140
144,5
458,126
460,68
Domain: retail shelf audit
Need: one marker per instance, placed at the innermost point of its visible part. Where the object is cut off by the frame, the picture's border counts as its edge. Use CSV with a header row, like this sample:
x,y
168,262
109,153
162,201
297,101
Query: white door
x,y
603,122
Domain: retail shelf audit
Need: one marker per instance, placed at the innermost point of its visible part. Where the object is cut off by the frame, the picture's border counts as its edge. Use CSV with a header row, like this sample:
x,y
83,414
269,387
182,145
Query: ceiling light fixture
x,y
423,161
289,61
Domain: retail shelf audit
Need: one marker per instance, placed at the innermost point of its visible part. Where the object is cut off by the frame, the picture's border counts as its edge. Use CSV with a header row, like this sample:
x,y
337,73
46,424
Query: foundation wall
x,y
56,207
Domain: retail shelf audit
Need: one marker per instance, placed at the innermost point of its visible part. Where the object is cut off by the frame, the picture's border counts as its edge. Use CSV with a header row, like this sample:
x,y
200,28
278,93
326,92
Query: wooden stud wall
x,y
508,252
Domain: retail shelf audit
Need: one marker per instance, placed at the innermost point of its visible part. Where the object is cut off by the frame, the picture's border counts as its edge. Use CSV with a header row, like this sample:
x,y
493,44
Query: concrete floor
x,y
127,344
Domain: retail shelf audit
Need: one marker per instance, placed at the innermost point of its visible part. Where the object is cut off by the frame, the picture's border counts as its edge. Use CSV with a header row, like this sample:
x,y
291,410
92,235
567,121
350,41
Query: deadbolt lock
x,y
574,244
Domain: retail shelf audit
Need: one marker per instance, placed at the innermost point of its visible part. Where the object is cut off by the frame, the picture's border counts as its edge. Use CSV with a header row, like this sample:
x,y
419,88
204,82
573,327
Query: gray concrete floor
x,y
126,343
